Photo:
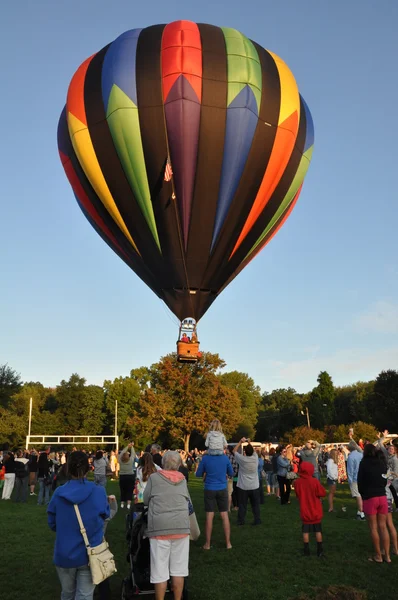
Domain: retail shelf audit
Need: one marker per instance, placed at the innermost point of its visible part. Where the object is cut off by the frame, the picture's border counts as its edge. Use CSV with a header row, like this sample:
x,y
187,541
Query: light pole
x,y
117,445
30,422
308,415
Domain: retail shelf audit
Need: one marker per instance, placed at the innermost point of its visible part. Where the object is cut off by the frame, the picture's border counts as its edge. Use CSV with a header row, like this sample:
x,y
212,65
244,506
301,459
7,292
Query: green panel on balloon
x,y
244,67
292,191
124,125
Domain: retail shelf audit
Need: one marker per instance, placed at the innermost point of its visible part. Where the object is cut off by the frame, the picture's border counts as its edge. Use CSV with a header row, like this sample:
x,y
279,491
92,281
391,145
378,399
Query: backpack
x,y
21,469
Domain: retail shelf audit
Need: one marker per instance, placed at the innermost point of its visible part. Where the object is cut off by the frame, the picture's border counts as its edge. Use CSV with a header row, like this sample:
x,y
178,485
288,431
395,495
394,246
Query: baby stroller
x,y
138,582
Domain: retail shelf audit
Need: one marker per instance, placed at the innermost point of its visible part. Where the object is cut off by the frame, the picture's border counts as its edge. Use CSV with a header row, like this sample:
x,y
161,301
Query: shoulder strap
x,y
81,525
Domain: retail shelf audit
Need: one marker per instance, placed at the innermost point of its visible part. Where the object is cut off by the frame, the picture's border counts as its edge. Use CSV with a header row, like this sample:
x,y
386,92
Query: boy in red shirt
x,y
309,493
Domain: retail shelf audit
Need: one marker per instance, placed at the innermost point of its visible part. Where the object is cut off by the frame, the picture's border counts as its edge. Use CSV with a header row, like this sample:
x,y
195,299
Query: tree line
x,y
174,403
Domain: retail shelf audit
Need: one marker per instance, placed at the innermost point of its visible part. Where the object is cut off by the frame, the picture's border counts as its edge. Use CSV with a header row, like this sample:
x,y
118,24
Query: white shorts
x,y
169,558
354,490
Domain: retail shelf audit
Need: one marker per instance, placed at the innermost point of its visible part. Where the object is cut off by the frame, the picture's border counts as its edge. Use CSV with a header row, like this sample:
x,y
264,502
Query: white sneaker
x,y
128,506
33,494
122,505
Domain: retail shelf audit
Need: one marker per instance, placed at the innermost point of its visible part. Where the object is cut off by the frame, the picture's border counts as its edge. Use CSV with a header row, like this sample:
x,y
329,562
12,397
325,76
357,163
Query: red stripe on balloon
x,y
85,201
182,55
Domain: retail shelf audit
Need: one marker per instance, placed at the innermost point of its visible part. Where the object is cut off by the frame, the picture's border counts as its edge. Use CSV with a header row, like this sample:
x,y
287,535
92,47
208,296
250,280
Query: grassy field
x,y
265,562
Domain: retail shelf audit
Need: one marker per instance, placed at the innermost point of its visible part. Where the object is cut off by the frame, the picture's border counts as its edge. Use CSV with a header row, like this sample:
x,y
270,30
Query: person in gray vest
x,y
167,497
310,454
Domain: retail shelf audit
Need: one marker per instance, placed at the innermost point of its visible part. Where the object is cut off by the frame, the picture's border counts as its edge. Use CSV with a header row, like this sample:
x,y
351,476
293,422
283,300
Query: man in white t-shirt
x,y
248,482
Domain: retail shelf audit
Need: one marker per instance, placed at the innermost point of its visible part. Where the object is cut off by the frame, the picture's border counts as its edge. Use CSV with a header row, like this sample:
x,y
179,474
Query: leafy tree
x,y
92,410
281,412
184,398
10,384
321,401
364,431
127,393
300,435
351,402
383,404
250,398
70,398
142,375
13,428
43,421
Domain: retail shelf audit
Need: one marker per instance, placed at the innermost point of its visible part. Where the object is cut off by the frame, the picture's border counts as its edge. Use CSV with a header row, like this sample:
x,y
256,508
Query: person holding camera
x,y
248,482
127,475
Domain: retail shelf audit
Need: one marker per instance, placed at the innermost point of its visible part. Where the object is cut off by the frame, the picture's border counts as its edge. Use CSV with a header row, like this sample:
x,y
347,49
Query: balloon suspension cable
x,y
174,202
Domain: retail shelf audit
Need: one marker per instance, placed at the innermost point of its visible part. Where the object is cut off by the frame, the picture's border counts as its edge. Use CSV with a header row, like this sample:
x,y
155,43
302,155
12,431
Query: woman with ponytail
x,y
70,554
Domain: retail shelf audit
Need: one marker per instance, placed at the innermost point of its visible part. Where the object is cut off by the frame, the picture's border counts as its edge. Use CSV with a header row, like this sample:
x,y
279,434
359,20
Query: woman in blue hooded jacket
x,y
70,554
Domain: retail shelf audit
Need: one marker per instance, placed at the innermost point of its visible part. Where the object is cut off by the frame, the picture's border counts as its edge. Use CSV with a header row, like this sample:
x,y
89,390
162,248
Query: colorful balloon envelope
x,y
186,146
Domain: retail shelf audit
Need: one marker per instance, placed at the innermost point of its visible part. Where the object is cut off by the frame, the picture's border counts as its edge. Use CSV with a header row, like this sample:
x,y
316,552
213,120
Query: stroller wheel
x,y
128,590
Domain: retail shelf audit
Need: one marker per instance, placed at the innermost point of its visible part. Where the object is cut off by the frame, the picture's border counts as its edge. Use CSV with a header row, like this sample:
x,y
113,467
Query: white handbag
x,y
100,559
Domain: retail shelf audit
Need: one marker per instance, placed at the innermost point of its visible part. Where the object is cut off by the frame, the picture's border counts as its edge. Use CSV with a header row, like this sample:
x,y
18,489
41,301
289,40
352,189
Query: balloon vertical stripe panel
x,y
92,207
243,104
181,57
285,139
210,153
228,115
220,265
298,179
83,146
119,93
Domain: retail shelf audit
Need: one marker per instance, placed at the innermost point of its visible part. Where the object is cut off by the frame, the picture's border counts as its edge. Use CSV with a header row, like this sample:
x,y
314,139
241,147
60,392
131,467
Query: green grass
x,y
265,561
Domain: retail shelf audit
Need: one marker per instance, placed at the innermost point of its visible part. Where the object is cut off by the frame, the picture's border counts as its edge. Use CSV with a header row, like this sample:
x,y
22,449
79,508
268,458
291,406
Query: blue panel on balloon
x,y
119,66
242,118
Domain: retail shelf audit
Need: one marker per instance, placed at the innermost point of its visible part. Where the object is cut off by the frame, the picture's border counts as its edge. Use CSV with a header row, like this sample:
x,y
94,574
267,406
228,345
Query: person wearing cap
x,y
353,461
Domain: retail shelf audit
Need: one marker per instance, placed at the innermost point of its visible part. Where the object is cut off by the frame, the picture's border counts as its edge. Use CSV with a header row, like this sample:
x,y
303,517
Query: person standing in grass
x,y
100,463
44,466
21,477
309,453
216,469
309,492
33,458
9,476
127,475
248,482
70,554
332,476
341,466
372,481
283,466
353,462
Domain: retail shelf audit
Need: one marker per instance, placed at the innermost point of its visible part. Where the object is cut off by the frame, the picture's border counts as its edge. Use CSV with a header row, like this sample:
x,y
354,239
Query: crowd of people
x,y
234,476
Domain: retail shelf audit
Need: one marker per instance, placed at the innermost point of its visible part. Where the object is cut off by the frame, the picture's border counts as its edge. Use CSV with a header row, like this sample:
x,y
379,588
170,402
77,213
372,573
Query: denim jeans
x,y
271,480
100,480
44,492
76,583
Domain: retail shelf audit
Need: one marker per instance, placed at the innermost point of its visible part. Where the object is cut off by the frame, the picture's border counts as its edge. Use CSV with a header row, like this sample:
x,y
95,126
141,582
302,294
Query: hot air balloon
x,y
186,146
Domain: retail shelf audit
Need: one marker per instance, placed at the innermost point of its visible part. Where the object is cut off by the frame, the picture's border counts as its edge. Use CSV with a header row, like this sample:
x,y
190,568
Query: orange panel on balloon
x,y
281,152
75,98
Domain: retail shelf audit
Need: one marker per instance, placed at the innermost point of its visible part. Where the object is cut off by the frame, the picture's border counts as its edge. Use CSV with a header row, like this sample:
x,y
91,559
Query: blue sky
x,y
324,292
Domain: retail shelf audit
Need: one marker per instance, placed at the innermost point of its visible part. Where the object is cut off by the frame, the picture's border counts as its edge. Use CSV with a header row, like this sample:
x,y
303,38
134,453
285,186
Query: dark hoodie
x,y
70,551
372,477
309,492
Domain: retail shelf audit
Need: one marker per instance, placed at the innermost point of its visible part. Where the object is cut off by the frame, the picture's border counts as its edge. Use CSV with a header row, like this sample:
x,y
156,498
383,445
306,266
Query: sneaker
x,y
33,494
122,505
128,506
